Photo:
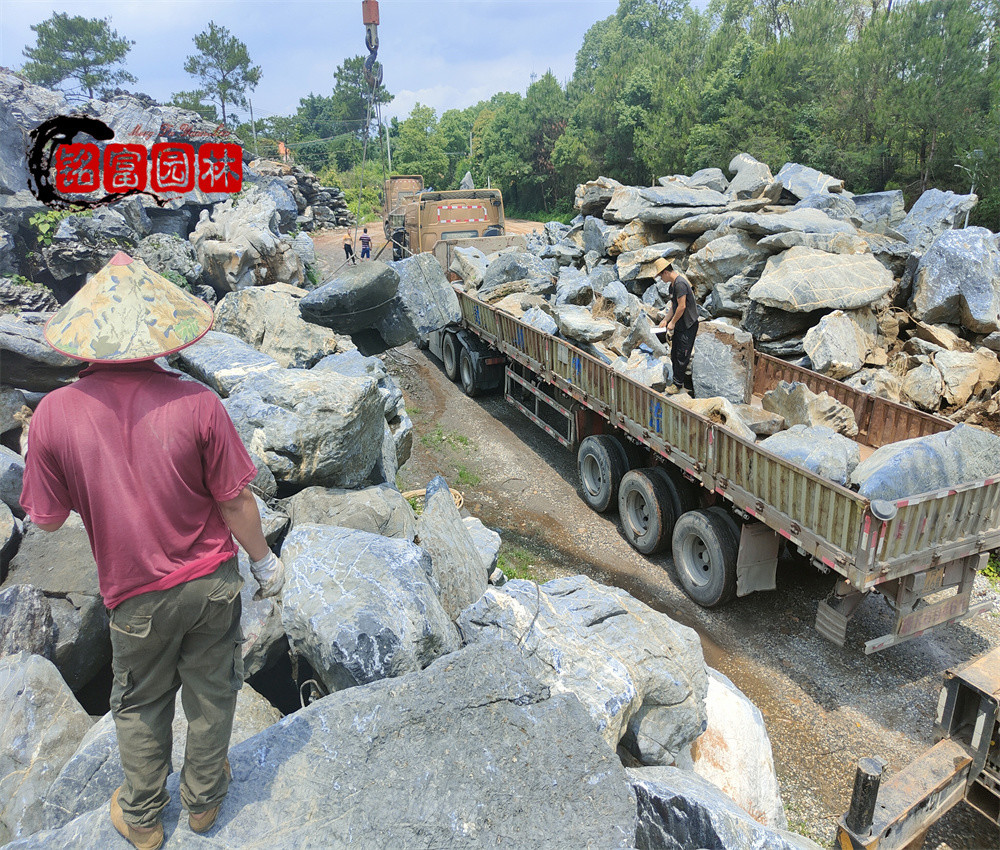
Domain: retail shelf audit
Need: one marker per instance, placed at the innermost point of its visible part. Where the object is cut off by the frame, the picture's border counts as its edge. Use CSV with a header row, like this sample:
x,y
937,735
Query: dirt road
x,y
824,706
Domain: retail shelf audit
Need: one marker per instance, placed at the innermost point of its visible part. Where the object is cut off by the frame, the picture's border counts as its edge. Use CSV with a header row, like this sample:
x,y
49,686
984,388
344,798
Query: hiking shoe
x,y
204,821
142,837
672,389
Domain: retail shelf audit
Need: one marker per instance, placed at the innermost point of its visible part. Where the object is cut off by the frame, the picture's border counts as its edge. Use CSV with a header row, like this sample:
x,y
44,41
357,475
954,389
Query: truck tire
x,y
683,494
646,509
705,550
601,464
467,373
449,356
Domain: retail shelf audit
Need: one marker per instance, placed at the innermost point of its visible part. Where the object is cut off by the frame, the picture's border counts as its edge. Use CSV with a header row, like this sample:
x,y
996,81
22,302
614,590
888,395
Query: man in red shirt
x,y
153,465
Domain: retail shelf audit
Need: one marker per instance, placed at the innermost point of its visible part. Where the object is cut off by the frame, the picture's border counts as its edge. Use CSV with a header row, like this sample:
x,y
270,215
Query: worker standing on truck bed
x,y
681,320
366,245
154,466
349,248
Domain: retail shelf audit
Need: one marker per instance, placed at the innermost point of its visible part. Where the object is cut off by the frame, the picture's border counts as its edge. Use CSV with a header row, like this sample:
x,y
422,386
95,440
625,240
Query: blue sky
x,y
444,53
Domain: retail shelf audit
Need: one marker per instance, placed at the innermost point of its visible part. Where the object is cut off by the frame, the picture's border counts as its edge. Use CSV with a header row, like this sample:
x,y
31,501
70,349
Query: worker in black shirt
x,y
681,321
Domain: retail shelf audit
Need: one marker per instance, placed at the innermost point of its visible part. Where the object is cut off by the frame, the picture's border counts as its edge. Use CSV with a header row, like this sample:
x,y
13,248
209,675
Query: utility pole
x,y
253,126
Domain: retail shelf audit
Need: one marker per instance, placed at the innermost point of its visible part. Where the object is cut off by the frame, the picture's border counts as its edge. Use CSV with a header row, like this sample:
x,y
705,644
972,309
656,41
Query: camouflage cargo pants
x,y
188,635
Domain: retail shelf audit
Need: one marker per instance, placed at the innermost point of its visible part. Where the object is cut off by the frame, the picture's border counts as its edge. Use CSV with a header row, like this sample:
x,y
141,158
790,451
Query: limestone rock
x,y
635,670
425,301
730,297
626,204
803,181
803,279
457,567
771,323
355,365
751,178
469,264
486,540
679,809
832,243
10,539
60,564
924,385
721,411
762,422
361,607
839,207
378,510
653,372
819,449
723,258
925,464
28,361
967,374
877,382
268,318
734,753
722,363
541,320
803,220
710,178
311,428
89,778
354,300
223,362
516,265
578,323
11,480
839,345
801,406
632,237
633,265
880,211
958,281
165,253
380,764
18,297
593,196
26,623
42,726
933,213
678,195
667,216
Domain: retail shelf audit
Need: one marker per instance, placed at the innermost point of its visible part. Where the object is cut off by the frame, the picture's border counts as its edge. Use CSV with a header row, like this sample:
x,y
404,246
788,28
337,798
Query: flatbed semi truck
x,y
724,504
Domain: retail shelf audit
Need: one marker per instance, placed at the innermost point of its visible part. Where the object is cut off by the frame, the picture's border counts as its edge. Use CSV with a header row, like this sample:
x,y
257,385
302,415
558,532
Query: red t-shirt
x,y
143,456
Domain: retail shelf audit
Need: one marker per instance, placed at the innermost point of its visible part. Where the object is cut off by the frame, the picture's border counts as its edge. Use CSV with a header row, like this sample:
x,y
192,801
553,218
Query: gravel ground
x,y
825,706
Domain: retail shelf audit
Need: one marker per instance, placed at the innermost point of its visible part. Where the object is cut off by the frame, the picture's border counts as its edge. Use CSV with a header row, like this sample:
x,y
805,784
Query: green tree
x,y
195,101
86,50
222,65
419,148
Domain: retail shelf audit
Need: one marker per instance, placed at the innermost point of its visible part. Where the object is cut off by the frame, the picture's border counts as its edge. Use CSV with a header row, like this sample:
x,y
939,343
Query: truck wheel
x,y
469,383
646,509
705,551
449,354
601,463
683,494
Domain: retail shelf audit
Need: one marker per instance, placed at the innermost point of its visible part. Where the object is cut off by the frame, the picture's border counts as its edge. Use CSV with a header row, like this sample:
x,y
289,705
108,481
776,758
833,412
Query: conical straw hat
x,y
126,313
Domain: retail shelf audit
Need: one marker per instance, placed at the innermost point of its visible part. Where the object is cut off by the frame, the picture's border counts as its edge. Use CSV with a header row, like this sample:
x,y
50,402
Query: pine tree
x,y
222,66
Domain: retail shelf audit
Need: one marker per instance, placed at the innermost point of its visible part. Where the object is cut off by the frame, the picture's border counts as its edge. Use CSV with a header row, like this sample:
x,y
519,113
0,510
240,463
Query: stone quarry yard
x,y
824,706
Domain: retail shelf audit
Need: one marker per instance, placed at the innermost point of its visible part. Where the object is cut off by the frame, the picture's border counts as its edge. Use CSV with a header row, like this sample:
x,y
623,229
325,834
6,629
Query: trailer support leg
x,y
833,613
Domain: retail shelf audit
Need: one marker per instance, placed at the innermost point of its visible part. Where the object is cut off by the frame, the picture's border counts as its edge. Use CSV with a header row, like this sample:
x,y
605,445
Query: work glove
x,y
270,575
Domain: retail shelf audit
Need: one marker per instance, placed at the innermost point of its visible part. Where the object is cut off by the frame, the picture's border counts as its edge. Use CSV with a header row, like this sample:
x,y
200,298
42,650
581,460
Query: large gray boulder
x,y
924,464
638,264
469,264
839,345
89,778
709,178
264,639
361,607
11,480
832,243
456,564
803,279
486,540
933,213
165,253
729,298
578,323
803,181
801,406
378,510
678,810
385,765
678,195
734,753
8,258
598,235
767,324
23,107
425,301
751,178
880,211
837,206
355,365
311,428
41,724
722,363
268,319
819,449
647,369
354,300
61,565
17,297
635,670
538,318
801,220
29,363
223,362
26,623
958,281
626,204
514,265
735,253
877,382
593,196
